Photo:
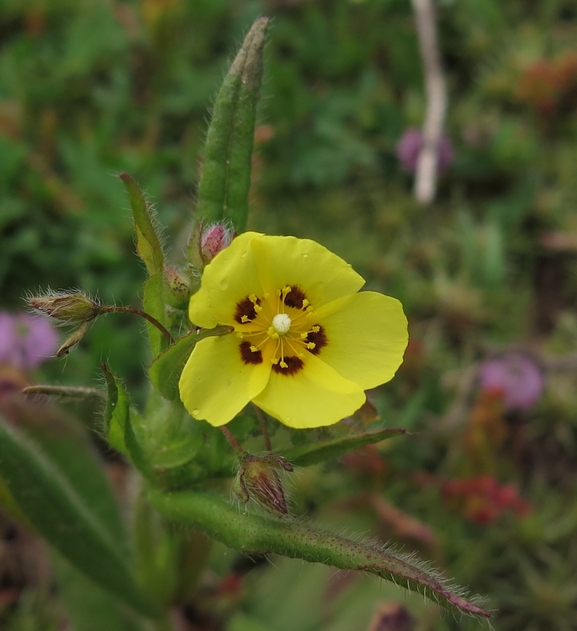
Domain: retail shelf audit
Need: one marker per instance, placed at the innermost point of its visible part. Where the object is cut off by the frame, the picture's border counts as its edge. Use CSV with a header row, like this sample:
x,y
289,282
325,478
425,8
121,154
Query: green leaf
x,y
116,411
153,304
147,241
251,533
89,607
166,369
225,182
58,483
306,455
150,251
118,424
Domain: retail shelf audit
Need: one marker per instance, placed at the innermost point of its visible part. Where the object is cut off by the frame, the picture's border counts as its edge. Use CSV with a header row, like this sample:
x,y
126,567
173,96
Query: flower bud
x,y
178,284
258,480
73,339
213,239
66,308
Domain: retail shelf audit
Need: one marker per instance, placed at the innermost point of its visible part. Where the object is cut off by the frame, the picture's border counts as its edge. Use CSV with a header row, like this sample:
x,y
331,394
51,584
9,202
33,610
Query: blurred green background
x,y
91,88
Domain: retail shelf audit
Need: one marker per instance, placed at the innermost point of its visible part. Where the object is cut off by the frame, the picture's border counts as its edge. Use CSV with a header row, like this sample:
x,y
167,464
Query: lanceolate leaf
x,y
116,411
166,368
306,455
254,533
147,241
89,607
59,485
150,251
118,424
225,182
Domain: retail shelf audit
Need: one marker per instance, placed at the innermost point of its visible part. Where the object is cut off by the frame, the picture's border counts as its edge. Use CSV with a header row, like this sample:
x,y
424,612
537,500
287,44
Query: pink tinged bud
x,y
214,239
179,284
516,376
258,480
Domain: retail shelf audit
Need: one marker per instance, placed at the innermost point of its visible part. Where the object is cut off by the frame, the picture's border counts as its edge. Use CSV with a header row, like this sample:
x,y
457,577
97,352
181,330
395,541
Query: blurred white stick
x,y
426,173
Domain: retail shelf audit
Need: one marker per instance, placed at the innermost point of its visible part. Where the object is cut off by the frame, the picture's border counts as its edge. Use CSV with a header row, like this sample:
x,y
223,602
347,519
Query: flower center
x,y
281,323
279,328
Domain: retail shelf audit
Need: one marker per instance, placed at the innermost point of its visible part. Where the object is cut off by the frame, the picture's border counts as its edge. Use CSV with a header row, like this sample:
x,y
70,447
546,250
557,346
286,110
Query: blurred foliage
x,y
90,88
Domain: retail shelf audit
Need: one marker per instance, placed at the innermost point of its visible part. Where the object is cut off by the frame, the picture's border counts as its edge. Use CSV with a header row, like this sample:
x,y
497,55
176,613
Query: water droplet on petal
x,y
243,255
195,412
223,285
305,256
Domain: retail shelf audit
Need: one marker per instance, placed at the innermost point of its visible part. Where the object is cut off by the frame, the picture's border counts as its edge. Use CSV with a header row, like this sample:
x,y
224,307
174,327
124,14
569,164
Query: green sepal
x,y
225,181
166,369
118,423
306,455
58,483
251,533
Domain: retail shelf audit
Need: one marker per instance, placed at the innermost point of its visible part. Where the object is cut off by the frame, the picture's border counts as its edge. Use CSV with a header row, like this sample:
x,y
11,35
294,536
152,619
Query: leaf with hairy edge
x,y
59,485
165,370
116,411
251,533
225,182
119,429
147,241
306,455
150,251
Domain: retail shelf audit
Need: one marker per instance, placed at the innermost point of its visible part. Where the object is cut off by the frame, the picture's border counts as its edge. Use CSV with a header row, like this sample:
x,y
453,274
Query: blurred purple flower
x,y
410,145
25,340
517,376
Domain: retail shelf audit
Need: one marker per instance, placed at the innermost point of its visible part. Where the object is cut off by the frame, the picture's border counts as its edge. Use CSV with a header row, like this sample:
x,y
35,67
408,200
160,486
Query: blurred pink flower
x,y
25,340
410,145
517,377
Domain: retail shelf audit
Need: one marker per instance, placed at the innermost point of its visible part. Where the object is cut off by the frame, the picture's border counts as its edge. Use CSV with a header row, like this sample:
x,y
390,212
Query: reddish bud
x,y
258,480
213,239
178,283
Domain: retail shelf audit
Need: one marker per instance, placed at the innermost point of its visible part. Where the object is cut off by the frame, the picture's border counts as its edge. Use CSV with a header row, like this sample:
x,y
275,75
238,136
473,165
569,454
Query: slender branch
x,y
263,427
142,314
426,174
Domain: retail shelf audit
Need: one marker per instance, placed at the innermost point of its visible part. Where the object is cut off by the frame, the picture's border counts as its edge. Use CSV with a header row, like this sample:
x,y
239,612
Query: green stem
x,y
256,534
142,314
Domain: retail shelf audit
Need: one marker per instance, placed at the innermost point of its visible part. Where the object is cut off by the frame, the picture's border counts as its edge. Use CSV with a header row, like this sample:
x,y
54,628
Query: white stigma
x,y
281,323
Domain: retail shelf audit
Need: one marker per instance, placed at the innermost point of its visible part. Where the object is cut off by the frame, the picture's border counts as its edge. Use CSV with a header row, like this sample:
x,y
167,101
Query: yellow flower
x,y
305,344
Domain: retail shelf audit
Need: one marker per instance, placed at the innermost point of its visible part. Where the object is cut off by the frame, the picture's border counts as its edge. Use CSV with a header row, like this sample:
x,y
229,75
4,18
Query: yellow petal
x,y
320,274
227,279
216,384
313,397
366,337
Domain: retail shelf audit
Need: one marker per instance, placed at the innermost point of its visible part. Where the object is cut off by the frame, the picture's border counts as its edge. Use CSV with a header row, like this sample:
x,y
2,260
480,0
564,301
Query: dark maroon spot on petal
x,y
247,355
318,338
295,298
245,307
293,365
